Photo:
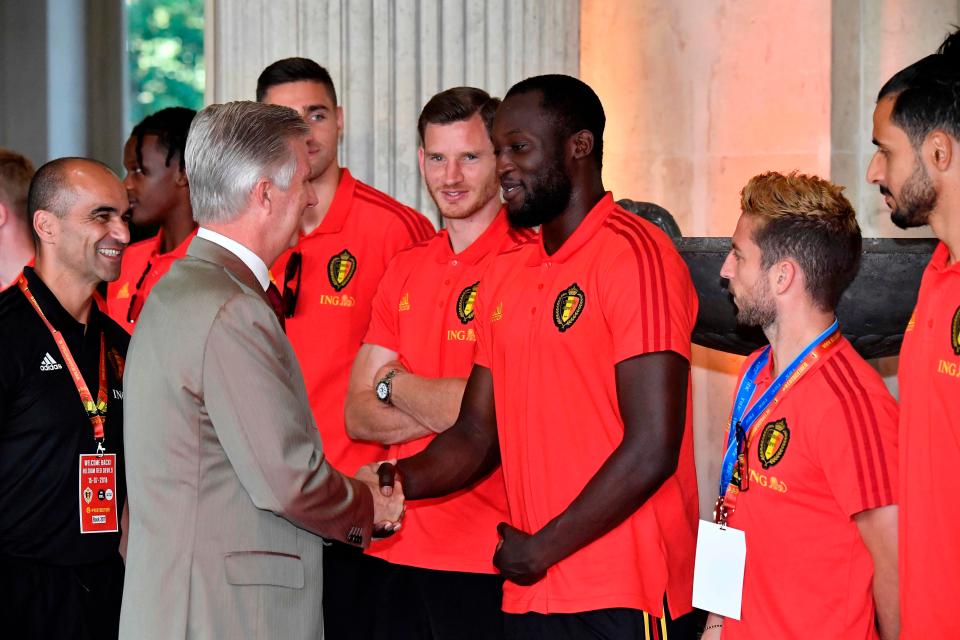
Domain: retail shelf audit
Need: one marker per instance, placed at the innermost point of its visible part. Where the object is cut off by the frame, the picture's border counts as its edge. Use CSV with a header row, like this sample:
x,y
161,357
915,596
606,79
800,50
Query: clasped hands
x,y
518,556
388,501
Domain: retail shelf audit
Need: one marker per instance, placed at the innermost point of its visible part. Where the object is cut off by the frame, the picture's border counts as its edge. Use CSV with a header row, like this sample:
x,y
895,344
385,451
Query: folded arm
x,y
461,455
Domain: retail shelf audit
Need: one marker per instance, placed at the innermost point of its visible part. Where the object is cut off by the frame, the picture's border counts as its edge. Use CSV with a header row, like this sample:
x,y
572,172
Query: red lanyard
x,y
96,411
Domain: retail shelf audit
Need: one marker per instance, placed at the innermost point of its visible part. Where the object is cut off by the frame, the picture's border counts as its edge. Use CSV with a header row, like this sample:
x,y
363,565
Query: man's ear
x,y
4,214
261,195
181,180
46,224
784,274
339,120
940,145
420,159
582,144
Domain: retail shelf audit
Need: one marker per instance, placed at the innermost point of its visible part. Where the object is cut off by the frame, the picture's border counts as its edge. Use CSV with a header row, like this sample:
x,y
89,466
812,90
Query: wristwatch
x,y
385,387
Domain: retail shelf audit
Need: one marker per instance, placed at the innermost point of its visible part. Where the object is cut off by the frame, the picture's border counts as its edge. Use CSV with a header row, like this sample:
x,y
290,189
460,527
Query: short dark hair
x,y
15,173
808,219
294,70
49,189
458,104
926,94
573,105
171,127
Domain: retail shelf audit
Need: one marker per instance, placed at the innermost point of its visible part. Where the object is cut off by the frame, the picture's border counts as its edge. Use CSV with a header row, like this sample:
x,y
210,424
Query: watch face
x,y
383,390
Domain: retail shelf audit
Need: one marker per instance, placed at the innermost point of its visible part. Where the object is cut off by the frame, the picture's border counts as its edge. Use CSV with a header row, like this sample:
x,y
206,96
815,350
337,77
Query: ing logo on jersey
x,y
773,443
465,302
568,307
340,269
955,332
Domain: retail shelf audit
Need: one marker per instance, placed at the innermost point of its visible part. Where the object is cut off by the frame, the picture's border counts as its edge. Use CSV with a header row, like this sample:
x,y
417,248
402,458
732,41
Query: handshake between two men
x,y
389,503
517,556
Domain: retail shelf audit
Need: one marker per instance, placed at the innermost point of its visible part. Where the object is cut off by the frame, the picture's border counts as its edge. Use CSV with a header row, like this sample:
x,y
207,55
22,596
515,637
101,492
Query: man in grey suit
x,y
229,489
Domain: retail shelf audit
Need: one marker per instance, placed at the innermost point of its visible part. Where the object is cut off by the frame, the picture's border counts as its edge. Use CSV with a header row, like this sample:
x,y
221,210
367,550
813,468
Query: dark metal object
x,y
654,213
873,311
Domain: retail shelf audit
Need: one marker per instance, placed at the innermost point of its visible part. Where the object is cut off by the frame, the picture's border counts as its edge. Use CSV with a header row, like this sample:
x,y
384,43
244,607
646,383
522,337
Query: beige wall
x,y
700,97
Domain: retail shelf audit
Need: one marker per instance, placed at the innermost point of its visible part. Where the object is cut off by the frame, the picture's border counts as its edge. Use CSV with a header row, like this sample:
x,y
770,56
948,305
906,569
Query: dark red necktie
x,y
276,301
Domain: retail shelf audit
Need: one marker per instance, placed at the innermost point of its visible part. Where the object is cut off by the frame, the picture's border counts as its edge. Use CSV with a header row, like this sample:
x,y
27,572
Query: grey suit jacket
x,y
228,486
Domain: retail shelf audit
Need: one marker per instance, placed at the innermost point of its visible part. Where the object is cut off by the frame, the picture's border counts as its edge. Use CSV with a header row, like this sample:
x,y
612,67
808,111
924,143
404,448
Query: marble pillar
x,y
872,40
387,58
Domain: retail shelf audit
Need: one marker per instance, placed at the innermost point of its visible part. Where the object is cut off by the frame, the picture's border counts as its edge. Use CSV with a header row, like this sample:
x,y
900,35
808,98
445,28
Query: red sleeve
x,y
857,437
384,329
648,299
408,228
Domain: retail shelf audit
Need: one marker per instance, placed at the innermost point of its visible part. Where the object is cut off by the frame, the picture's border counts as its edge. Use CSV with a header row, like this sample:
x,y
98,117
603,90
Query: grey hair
x,y
233,145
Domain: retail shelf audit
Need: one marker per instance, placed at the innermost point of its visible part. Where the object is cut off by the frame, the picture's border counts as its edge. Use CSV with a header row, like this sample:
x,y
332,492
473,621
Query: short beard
x,y
546,199
917,199
760,310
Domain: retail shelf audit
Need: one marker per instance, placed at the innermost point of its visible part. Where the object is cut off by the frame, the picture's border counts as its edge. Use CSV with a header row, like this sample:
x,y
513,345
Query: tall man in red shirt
x,y
408,379
809,473
328,282
916,128
156,183
580,389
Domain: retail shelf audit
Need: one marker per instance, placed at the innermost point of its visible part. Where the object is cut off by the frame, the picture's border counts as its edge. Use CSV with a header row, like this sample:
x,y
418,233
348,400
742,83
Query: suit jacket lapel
x,y
203,249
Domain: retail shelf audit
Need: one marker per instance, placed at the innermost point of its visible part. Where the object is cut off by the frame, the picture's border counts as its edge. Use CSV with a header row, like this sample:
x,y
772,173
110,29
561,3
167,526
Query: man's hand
x,y
388,503
517,556
385,369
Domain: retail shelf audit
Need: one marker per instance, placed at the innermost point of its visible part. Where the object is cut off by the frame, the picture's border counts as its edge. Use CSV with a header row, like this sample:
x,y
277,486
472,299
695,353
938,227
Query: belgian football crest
x,y
465,302
955,333
568,307
340,269
773,443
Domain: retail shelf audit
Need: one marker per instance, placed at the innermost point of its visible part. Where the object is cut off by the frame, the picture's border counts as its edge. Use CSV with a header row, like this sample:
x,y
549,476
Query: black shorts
x,y
602,624
427,604
350,584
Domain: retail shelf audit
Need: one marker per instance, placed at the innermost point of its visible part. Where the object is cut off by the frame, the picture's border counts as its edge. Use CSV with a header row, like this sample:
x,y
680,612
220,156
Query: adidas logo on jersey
x,y
49,364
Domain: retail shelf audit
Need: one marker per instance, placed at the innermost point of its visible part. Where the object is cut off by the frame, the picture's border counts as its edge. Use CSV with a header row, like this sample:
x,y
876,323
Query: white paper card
x,y
718,573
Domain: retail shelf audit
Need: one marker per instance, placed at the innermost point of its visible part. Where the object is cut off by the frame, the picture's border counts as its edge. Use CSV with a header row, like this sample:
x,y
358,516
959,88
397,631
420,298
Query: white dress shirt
x,y
249,258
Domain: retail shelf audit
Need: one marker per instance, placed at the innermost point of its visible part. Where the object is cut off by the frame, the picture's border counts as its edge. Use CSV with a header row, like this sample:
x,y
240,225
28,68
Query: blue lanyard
x,y
739,423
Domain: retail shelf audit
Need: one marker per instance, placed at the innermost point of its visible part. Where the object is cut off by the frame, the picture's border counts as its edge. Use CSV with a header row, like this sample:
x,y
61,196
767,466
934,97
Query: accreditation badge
x,y
98,493
718,569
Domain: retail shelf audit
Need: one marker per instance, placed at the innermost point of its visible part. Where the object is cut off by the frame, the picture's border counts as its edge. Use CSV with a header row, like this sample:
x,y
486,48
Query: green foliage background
x,y
165,55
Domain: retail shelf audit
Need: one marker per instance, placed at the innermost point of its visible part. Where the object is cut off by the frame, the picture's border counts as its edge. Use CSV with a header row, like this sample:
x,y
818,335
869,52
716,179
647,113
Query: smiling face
x,y
459,167
154,187
747,280
530,161
90,237
898,170
314,103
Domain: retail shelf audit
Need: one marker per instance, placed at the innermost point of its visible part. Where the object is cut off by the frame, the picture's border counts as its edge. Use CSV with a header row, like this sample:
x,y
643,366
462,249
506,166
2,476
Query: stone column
x,y
387,58
872,40
61,79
